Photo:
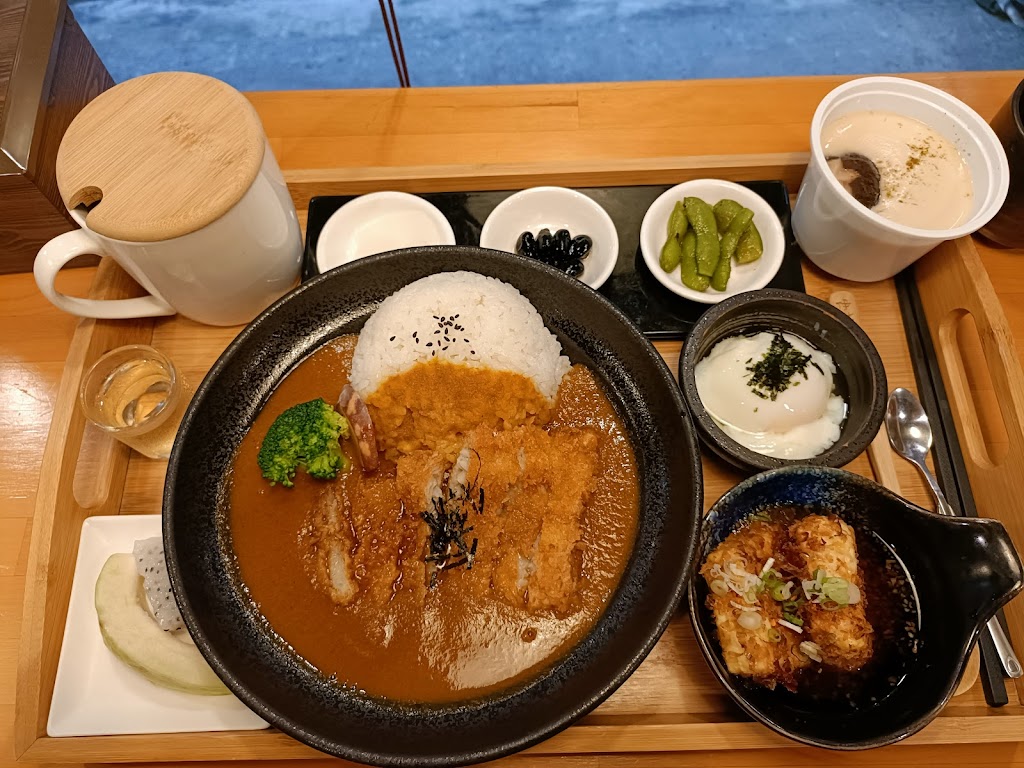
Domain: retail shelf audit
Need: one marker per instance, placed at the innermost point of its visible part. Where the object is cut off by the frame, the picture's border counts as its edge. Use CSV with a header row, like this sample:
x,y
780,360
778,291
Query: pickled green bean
x,y
688,264
725,210
750,246
671,252
677,223
720,279
732,235
702,220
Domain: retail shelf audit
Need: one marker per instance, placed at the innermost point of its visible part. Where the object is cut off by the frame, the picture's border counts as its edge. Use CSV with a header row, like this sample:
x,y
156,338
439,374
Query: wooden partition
x,y
48,72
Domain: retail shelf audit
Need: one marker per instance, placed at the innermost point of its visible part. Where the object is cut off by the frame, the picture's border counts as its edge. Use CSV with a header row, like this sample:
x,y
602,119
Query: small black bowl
x,y
961,572
861,376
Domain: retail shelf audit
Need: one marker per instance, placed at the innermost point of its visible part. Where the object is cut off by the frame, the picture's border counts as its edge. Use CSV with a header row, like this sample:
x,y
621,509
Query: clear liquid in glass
x,y
136,394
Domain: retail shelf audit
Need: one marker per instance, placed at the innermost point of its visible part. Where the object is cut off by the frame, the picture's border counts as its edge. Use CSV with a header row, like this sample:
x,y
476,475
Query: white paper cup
x,y
853,242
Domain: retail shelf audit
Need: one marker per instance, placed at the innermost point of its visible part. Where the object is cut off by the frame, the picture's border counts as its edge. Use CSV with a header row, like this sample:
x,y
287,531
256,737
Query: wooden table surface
x,y
401,135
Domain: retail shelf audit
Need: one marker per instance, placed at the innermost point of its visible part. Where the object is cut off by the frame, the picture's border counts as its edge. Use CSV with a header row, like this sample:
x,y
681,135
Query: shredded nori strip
x,y
771,375
446,519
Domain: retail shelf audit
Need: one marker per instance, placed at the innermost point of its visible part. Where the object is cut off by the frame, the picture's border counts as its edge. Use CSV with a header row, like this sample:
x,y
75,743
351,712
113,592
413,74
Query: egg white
x,y
803,421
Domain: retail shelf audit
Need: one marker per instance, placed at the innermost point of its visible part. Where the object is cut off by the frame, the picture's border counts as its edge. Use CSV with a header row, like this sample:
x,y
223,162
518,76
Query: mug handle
x,y
62,249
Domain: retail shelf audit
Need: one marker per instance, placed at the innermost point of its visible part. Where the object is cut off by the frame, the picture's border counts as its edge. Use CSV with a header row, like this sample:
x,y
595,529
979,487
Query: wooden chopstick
x,y
395,41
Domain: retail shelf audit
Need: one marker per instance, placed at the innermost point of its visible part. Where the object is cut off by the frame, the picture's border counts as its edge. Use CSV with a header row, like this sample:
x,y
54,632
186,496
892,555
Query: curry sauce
x,y
395,630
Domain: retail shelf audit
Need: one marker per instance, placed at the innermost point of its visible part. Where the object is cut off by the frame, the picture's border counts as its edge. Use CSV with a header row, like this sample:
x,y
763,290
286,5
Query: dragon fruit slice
x,y
149,560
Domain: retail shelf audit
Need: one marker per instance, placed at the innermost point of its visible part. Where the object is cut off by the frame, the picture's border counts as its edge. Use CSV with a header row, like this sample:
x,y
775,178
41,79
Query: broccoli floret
x,y
305,435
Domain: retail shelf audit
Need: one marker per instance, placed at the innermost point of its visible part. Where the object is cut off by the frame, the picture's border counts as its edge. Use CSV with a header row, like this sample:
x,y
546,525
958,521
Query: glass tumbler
x,y
137,395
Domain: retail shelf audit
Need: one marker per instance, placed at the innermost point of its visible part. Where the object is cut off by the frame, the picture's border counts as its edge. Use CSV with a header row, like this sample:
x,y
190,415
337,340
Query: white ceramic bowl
x,y
379,222
853,242
555,208
744,277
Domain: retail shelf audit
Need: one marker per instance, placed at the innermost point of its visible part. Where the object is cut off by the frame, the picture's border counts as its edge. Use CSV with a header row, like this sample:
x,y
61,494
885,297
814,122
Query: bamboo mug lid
x,y
160,156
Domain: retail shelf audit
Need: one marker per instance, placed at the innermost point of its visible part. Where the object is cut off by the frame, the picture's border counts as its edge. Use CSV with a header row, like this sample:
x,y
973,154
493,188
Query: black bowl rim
x,y
573,713
712,658
740,455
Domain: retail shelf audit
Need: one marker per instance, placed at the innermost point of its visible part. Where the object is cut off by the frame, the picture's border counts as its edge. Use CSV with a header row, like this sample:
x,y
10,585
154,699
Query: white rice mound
x,y
487,323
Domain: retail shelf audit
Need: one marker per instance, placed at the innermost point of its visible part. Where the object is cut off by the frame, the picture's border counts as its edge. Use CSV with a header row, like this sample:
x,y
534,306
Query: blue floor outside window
x,y
285,44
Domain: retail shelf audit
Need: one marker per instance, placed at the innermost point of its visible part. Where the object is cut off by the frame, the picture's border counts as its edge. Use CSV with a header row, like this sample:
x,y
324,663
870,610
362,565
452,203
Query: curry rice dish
x,y
480,513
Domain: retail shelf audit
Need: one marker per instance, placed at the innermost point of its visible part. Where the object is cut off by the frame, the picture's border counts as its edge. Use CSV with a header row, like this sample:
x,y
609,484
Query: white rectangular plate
x,y
95,694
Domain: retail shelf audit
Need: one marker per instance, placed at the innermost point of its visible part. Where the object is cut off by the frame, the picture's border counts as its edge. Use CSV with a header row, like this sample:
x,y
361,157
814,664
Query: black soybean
x,y
527,245
560,250
580,247
544,240
562,241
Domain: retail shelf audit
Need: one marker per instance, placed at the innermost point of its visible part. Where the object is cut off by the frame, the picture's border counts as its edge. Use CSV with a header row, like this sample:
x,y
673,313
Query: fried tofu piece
x,y
768,654
826,543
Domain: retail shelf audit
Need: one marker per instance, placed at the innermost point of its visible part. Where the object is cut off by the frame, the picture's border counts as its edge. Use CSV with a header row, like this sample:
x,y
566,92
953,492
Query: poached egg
x,y
773,393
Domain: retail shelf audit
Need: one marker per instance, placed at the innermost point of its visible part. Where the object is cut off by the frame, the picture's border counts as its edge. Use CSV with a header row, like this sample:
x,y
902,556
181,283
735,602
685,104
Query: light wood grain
x,y
34,337
880,454
160,156
55,541
673,683
879,451
594,123
953,283
304,184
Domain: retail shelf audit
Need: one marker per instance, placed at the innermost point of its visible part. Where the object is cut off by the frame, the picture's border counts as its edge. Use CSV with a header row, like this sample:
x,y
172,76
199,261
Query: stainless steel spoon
x,y
910,435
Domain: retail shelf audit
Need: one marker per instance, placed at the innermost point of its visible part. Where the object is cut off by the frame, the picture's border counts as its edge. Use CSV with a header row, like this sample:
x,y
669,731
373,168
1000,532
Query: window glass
x,y
282,44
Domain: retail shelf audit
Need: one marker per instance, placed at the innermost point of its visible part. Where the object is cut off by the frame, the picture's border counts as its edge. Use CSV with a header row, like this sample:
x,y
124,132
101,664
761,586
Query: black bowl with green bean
x,y
702,241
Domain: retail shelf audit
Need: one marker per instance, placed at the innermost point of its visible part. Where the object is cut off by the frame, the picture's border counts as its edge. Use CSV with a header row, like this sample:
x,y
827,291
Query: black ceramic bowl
x,y
962,570
294,697
861,377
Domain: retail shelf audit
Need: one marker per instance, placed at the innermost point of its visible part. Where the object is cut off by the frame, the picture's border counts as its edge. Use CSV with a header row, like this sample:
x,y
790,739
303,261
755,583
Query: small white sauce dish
x,y
379,222
555,208
744,277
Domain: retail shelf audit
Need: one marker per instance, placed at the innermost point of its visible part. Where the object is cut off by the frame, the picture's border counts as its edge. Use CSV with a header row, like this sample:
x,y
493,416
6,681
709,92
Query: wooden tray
x,y
672,702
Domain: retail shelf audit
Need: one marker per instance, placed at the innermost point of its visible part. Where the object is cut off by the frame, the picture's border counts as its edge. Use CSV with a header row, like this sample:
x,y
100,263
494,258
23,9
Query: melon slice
x,y
167,659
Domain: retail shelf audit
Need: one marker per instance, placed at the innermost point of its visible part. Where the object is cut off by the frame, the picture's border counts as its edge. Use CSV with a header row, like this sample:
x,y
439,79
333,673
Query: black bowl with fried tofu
x,y
837,613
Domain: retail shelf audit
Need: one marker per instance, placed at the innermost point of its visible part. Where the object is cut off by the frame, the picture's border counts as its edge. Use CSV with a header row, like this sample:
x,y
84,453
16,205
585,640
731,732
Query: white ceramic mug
x,y
853,242
225,273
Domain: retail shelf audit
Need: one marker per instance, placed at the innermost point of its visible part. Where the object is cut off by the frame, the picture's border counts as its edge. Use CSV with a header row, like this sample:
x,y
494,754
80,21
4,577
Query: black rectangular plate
x,y
658,312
